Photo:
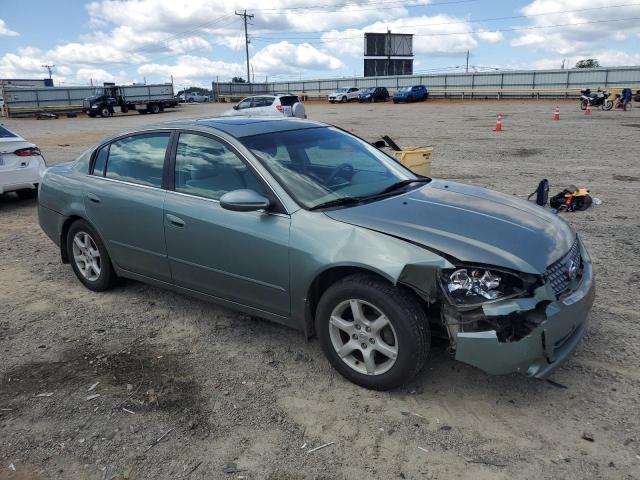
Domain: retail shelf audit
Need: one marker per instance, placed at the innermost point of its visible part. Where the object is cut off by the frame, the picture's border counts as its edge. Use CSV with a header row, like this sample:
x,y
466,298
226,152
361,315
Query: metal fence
x,y
20,100
522,83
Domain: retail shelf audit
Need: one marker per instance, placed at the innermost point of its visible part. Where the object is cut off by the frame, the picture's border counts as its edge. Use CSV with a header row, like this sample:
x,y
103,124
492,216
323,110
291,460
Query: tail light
x,y
280,108
27,152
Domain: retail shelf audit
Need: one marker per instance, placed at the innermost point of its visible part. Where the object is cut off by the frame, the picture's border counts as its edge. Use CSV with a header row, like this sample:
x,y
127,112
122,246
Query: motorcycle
x,y
597,99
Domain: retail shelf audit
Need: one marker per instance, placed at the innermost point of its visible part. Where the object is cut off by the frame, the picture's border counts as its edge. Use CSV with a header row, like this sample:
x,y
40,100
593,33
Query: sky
x,y
198,41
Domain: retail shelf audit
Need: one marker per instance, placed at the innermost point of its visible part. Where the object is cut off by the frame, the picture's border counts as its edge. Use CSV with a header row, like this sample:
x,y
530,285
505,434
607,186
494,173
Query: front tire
x,y
583,105
607,105
105,112
89,257
374,334
343,100
27,193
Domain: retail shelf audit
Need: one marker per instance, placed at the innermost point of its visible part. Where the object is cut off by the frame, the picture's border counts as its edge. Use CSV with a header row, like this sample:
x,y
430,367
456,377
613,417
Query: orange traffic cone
x,y
588,109
556,114
498,124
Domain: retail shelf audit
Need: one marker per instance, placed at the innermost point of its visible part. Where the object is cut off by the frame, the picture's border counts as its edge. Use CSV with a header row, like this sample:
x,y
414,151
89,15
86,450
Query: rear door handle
x,y
175,221
93,198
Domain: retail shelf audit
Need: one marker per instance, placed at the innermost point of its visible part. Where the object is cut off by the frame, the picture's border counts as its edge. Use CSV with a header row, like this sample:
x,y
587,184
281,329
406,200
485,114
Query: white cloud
x,y
191,70
579,35
441,35
5,31
217,15
270,61
489,36
283,57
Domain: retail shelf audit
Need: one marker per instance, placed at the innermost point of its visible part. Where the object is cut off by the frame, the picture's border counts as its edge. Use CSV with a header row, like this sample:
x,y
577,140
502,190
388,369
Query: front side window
x,y
208,168
138,159
246,103
318,165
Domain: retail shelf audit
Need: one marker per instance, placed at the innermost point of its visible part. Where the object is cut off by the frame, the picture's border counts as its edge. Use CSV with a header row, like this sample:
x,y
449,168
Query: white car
x,y
344,95
21,165
268,106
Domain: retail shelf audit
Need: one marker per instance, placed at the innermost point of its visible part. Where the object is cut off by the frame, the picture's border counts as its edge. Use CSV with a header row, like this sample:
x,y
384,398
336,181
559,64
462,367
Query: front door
x,y
124,201
241,257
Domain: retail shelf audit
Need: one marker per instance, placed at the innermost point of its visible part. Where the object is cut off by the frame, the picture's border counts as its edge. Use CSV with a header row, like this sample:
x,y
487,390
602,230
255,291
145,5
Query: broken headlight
x,y
471,286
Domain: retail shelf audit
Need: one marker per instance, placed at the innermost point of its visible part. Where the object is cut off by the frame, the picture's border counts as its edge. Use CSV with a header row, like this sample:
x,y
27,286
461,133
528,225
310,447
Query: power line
x,y
482,20
537,27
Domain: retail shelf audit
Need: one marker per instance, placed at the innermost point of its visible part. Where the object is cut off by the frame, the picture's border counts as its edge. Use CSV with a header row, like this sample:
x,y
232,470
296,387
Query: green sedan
x,y
304,224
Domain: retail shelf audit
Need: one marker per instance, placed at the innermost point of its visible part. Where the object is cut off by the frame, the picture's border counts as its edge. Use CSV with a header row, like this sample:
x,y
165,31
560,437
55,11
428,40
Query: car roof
x,y
247,126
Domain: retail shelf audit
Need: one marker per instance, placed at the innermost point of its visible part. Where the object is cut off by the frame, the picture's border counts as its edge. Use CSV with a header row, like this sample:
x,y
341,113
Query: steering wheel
x,y
346,167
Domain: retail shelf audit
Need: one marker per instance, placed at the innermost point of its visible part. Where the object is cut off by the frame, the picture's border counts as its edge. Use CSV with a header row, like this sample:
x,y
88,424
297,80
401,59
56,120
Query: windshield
x,y
341,90
405,89
99,92
320,165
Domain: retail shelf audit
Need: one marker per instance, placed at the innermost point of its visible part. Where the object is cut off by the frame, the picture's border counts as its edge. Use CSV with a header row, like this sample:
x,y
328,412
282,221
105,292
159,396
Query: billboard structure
x,y
388,54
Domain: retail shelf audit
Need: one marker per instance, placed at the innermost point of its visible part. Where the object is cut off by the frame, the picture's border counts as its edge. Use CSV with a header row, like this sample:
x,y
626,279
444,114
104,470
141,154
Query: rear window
x,y
4,133
289,101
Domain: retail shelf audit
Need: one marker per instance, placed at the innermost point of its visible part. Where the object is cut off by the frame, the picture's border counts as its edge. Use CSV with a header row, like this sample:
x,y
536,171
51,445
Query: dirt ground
x,y
191,390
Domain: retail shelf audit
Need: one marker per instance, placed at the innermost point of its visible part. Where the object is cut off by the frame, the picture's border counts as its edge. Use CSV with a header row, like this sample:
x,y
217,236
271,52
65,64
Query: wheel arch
x,y
327,277
65,231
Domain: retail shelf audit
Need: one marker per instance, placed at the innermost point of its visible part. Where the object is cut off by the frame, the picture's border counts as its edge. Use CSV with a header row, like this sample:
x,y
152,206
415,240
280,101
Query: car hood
x,y
471,224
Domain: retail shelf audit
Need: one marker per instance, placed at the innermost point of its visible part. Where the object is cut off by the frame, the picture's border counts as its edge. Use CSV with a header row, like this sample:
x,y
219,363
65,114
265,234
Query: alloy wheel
x,y
363,337
86,256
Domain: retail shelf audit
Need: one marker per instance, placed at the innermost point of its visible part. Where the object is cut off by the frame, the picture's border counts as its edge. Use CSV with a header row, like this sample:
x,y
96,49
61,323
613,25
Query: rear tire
x,y
27,193
384,344
89,257
154,108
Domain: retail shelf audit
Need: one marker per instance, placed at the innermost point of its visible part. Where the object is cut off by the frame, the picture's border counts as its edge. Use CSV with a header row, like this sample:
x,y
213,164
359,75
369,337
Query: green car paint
x,y
273,263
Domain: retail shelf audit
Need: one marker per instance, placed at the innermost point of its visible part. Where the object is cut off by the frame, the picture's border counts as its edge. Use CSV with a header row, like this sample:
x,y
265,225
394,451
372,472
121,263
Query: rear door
x,y
124,200
240,257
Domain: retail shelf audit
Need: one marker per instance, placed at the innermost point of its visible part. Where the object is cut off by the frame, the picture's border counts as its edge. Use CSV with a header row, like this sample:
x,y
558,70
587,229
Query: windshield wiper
x,y
338,202
403,183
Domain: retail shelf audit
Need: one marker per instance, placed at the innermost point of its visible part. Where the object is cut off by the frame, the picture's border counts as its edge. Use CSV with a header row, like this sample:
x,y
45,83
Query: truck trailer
x,y
111,98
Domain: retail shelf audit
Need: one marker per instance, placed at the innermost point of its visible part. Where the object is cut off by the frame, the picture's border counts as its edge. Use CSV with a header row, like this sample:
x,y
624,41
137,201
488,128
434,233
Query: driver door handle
x,y
174,221
94,198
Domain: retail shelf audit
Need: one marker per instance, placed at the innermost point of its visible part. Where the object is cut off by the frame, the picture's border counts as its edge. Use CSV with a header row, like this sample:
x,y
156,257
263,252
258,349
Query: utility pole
x,y
49,68
388,52
246,39
467,69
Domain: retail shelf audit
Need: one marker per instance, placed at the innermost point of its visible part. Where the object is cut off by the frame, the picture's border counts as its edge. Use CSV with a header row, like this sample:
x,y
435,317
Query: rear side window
x,y
138,159
289,100
100,161
263,101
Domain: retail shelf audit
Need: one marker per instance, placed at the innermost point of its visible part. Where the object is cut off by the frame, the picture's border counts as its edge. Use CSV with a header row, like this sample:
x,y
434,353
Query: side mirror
x,y
379,144
235,107
244,200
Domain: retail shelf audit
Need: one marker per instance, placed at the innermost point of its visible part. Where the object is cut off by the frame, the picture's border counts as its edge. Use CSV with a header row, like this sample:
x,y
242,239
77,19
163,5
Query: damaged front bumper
x,y
561,324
